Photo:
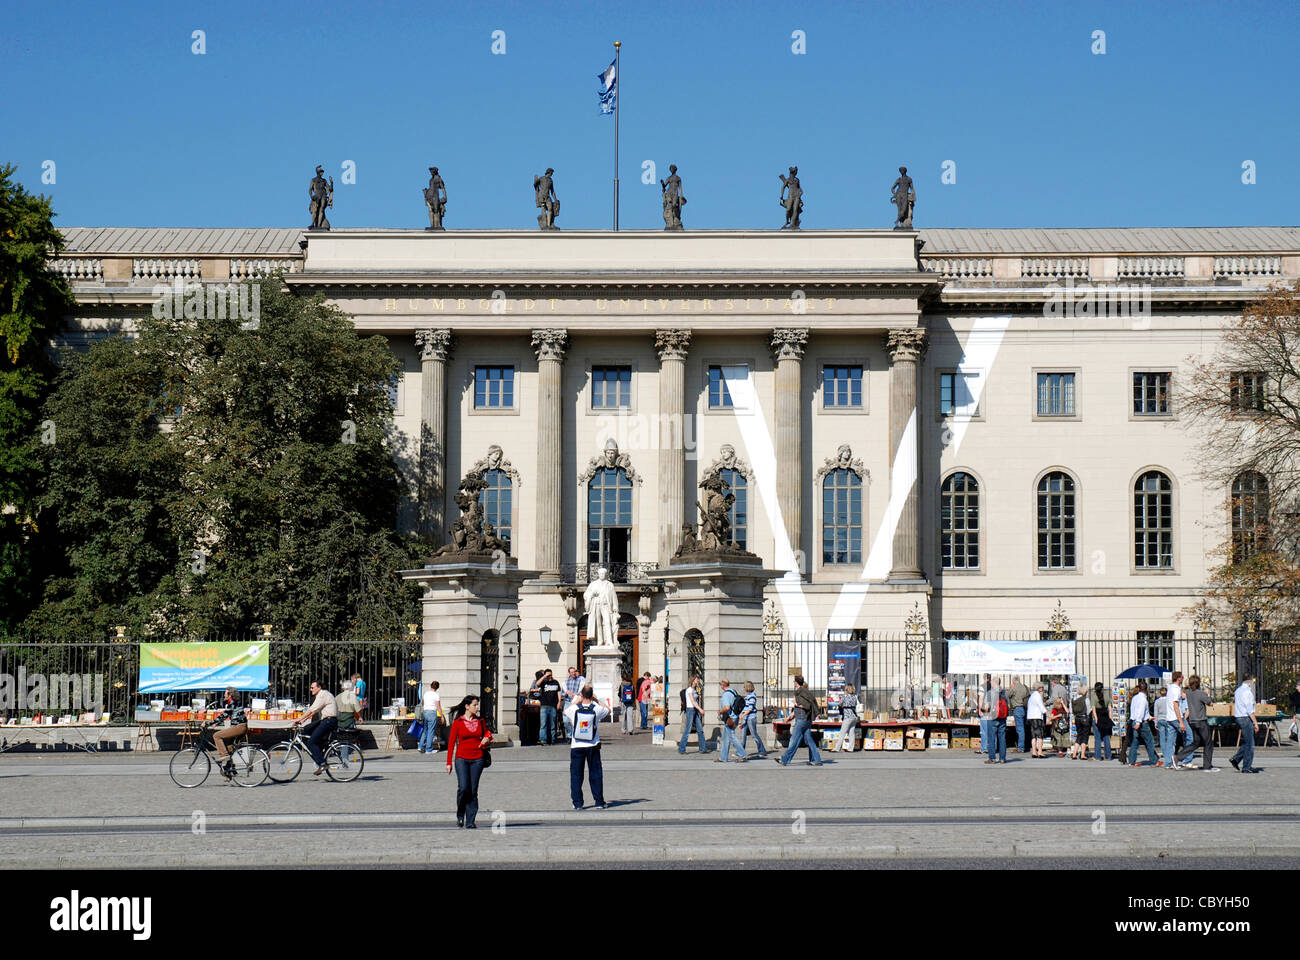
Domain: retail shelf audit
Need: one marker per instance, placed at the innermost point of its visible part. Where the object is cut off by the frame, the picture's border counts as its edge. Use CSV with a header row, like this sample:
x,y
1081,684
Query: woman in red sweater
x,y
466,741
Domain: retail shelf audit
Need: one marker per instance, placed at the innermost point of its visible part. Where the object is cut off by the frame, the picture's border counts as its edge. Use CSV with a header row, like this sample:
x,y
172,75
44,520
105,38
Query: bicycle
x,y
343,758
189,766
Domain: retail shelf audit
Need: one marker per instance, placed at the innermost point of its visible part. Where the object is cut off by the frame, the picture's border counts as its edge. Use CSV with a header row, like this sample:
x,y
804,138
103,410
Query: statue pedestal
x,y
471,635
723,600
604,672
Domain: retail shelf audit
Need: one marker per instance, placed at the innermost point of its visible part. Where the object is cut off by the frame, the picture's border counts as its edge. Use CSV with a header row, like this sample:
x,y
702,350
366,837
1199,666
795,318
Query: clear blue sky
x,y
1043,132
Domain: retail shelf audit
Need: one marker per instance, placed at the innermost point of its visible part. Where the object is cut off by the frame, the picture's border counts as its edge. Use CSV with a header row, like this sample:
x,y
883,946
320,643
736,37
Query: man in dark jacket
x,y
1018,700
805,711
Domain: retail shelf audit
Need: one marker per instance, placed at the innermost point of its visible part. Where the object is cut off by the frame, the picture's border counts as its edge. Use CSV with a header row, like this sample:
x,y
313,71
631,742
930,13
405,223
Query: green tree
x,y
231,472
34,302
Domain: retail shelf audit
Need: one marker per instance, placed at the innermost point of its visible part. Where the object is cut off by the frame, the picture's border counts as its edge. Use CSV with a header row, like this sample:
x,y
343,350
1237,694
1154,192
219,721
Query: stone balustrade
x,y
249,269
166,268
77,269
1248,266
1154,267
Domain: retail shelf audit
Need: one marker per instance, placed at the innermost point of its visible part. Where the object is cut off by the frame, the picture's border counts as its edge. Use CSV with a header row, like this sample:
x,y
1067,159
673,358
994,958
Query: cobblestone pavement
x,y
124,810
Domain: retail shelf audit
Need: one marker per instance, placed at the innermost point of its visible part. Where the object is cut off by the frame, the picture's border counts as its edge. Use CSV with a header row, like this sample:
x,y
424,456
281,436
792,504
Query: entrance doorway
x,y
491,658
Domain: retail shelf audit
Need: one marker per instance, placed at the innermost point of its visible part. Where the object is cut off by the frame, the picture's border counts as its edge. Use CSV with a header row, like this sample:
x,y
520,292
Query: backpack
x,y
584,723
737,704
1002,707
628,694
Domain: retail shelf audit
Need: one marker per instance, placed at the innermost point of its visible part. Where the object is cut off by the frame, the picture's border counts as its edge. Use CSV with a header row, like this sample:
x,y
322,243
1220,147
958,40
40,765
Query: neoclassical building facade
x,y
975,423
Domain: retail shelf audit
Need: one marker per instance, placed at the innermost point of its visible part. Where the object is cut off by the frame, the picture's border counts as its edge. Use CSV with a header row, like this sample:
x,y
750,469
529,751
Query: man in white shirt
x,y
693,718
583,716
1173,722
323,706
1138,714
1035,713
1243,709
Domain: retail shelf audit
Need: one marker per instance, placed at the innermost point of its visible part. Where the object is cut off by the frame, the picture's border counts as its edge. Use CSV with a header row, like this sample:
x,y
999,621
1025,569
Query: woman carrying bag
x,y
466,751
1102,727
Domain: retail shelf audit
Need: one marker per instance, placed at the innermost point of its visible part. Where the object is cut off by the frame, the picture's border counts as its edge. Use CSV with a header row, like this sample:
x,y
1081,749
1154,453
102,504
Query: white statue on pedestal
x,y
601,601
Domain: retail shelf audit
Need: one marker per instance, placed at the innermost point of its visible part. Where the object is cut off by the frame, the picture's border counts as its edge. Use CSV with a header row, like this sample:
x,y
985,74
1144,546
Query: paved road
x,y
859,810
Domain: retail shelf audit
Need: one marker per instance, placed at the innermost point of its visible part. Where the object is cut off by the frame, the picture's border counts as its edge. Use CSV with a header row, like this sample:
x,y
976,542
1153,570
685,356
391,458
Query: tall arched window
x,y
497,499
959,523
739,487
609,519
694,650
1153,522
842,517
1250,525
1056,522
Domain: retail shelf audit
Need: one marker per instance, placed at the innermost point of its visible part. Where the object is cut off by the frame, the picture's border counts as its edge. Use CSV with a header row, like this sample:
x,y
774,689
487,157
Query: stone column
x,y
550,344
672,346
906,347
789,343
435,347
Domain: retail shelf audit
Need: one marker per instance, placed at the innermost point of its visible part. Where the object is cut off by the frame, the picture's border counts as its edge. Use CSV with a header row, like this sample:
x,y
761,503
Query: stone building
x,y
975,424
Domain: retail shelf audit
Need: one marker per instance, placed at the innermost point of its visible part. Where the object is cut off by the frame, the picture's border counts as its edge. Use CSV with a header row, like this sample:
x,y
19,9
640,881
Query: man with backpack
x,y
805,712
998,710
627,698
732,707
584,715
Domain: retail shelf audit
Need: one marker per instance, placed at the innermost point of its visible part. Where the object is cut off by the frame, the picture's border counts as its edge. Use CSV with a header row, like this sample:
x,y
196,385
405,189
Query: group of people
x,y
1178,716
737,713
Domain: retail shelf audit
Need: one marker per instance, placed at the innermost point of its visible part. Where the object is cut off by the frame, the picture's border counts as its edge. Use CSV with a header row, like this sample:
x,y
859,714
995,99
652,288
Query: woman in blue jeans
x,y
432,714
468,738
1101,724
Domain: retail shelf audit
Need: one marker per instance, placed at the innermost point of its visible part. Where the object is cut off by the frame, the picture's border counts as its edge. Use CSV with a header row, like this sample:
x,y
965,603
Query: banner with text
x,y
1011,656
168,667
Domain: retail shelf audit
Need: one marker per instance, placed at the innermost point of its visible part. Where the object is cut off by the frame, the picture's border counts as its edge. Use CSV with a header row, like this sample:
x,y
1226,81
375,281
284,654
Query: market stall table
x,y
28,732
782,725
1219,724
394,739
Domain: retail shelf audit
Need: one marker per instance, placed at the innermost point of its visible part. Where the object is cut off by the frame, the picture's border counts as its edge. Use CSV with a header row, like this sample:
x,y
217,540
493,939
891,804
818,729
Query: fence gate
x,y
488,675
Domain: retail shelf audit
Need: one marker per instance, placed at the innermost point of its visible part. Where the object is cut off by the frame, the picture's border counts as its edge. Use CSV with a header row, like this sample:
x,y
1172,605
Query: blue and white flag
x,y
609,89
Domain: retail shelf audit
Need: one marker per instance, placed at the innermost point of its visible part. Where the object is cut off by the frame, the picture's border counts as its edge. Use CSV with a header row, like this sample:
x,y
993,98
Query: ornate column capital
x,y
672,344
904,345
435,343
788,342
550,343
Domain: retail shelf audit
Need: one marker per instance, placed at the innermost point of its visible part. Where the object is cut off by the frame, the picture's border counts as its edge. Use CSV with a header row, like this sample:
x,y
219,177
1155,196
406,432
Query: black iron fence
x,y
72,677
909,674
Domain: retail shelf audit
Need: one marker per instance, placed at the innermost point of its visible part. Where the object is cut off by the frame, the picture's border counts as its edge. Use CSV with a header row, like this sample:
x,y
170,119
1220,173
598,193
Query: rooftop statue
x,y
791,198
673,199
321,194
547,201
903,196
435,199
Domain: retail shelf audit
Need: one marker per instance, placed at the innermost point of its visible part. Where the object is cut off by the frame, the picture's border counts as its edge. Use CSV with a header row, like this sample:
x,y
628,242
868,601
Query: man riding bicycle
x,y
327,710
233,709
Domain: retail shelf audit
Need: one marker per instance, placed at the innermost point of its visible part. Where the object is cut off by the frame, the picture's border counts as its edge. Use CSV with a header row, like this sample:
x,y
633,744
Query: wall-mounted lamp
x,y
546,636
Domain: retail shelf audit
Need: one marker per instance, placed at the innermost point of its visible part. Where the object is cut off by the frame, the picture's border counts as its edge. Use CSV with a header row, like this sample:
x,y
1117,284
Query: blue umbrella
x,y
1141,671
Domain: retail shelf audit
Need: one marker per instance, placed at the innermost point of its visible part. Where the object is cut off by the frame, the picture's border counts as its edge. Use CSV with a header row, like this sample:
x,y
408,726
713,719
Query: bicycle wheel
x,y
286,762
344,762
251,767
189,767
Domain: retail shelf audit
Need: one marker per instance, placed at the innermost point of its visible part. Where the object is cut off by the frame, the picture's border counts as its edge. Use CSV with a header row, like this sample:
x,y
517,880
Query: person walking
x,y
985,726
1036,712
466,741
1158,710
694,717
732,707
997,723
1082,724
1197,701
1243,709
1101,722
1018,700
805,712
627,699
1138,715
432,716
1174,720
584,716
643,699
849,713
1060,721
748,723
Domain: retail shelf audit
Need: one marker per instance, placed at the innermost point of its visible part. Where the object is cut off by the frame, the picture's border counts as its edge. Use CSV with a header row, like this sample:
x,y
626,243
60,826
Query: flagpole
x,y
618,79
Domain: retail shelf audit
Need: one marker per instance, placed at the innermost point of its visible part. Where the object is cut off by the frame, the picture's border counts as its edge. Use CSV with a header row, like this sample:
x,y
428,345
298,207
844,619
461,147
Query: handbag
x,y
487,757
416,729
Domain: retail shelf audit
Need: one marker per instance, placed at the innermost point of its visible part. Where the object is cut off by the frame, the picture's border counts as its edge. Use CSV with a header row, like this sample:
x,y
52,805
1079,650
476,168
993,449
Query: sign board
x,y
168,667
1025,657
658,713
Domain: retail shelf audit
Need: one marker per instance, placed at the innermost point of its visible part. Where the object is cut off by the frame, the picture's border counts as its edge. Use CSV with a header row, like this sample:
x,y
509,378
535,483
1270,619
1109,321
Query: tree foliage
x,y
34,302
212,474
1244,430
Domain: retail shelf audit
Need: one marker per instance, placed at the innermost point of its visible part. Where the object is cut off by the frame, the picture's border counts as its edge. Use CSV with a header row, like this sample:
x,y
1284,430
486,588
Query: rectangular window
x,y
720,375
1156,647
391,385
842,386
1056,395
611,388
956,398
1246,391
494,388
1151,394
